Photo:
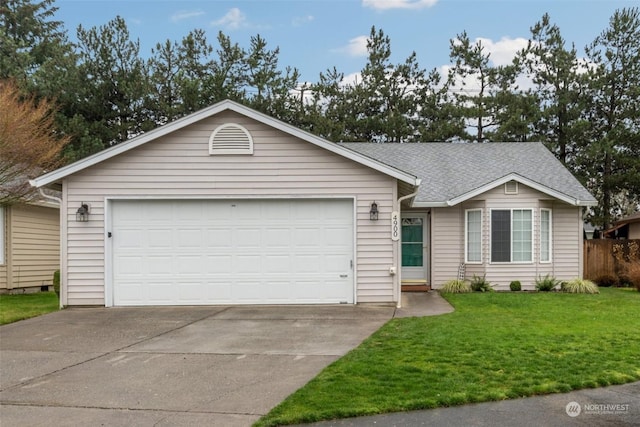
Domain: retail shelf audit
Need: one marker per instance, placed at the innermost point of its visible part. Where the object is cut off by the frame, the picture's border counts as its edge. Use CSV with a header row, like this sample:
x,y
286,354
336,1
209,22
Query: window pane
x,y
545,235
522,242
412,236
500,236
474,236
411,255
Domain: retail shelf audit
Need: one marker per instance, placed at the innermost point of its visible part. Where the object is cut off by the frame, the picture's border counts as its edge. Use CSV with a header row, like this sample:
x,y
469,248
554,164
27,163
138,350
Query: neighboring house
x,y
230,206
29,246
625,228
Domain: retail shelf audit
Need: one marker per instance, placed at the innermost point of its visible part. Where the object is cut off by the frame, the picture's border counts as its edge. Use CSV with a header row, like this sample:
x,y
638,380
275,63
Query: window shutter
x,y
230,138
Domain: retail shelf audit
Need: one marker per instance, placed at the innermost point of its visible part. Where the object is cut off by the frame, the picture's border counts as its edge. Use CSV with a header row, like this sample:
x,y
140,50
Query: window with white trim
x,y
2,237
511,235
545,235
473,236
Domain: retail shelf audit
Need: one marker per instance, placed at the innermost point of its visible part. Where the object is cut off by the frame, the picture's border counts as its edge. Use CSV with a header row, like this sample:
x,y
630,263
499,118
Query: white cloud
x,y
351,79
186,14
356,47
504,50
299,21
398,4
233,20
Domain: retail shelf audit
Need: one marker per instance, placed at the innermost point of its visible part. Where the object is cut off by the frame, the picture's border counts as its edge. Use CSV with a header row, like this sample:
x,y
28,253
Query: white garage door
x,y
193,252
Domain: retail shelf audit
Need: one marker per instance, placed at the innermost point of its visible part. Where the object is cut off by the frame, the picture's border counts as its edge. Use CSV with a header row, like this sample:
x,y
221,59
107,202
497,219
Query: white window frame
x,y
466,237
550,237
533,221
3,240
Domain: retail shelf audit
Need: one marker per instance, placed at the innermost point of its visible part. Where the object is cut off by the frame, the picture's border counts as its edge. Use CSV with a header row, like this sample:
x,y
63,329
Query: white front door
x,y
195,252
414,246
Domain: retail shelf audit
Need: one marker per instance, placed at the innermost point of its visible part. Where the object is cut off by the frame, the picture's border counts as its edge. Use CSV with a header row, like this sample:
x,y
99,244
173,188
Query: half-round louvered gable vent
x,y
230,138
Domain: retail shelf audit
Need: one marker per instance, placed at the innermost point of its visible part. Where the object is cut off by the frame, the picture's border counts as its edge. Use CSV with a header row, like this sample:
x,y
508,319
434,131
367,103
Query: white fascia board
x,y
203,114
515,177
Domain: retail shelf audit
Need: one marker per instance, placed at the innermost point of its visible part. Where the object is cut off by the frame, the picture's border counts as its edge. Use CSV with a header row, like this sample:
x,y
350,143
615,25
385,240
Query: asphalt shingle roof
x,y
450,170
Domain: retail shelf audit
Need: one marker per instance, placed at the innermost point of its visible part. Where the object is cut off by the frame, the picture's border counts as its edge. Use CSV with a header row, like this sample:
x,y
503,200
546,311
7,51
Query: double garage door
x,y
206,252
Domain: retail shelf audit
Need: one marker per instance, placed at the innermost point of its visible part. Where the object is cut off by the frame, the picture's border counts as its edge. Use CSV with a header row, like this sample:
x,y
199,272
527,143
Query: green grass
x,y
495,346
24,306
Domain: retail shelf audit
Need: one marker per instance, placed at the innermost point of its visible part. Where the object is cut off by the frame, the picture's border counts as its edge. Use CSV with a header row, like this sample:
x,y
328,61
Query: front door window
x,y
412,242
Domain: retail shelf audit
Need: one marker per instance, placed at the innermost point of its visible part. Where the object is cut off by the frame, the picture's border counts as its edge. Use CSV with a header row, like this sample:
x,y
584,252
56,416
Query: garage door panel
x,y
157,265
159,238
130,238
218,238
248,238
232,252
188,238
247,264
217,264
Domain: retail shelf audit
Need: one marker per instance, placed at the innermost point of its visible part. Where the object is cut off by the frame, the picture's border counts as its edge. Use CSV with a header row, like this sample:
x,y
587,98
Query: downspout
x,y
399,260
58,201
55,199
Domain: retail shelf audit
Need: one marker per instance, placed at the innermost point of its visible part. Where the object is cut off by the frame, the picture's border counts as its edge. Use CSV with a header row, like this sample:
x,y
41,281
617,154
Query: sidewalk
x,y
419,304
612,406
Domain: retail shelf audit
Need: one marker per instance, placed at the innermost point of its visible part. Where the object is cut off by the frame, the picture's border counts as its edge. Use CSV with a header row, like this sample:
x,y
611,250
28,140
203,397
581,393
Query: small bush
x,y
632,274
515,286
607,280
580,286
547,283
56,282
455,287
480,284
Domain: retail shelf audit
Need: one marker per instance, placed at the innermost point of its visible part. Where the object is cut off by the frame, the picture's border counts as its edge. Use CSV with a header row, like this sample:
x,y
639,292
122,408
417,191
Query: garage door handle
x,y
343,276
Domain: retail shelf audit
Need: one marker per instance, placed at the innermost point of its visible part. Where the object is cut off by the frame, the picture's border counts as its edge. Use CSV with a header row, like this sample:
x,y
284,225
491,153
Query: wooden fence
x,y
600,256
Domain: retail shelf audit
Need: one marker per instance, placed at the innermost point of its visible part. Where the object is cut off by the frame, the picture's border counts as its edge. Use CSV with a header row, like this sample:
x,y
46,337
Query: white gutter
x,y
399,255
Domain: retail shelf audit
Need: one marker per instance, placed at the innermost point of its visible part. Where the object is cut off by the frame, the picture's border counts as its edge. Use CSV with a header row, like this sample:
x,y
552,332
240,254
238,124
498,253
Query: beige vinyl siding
x,y
178,165
33,247
566,239
447,243
448,239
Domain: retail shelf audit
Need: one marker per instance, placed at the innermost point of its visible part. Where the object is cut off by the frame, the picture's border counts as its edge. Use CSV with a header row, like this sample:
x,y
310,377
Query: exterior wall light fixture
x,y
82,214
373,213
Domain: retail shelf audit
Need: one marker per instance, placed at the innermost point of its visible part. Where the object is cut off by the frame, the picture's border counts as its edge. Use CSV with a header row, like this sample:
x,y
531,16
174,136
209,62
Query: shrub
x,y
580,286
56,282
480,284
628,263
546,283
607,280
456,287
515,286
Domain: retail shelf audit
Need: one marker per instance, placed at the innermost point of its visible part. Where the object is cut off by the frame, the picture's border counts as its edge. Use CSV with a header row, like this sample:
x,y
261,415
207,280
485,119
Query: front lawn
x,y
23,306
495,346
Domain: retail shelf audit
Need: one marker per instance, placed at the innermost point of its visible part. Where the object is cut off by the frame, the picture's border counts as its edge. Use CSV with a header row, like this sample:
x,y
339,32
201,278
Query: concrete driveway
x,y
170,366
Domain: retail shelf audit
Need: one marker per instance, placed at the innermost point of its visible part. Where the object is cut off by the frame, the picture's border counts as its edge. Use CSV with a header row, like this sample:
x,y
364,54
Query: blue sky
x,y
314,35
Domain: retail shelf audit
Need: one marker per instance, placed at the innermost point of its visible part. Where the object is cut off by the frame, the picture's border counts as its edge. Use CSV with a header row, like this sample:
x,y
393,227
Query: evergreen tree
x,y
555,71
610,159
